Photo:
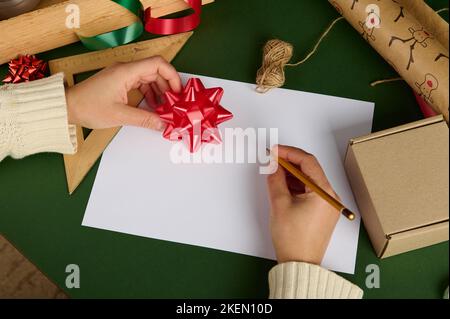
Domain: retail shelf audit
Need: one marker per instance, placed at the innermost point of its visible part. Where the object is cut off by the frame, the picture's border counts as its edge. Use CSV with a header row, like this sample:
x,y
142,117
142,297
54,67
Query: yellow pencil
x,y
314,187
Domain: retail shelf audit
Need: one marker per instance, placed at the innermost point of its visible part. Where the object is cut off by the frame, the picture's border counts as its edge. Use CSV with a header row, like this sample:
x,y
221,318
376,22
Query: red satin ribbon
x,y
172,26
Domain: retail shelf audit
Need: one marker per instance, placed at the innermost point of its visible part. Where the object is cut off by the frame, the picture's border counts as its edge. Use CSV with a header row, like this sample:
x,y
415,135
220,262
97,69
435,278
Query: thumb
x,y
137,117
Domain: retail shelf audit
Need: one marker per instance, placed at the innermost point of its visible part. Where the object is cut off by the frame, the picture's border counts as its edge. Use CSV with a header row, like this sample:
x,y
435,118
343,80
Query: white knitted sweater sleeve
x,y
296,280
33,119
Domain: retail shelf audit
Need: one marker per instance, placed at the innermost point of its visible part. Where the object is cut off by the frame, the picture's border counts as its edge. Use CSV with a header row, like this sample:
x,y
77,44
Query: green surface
x,y
44,222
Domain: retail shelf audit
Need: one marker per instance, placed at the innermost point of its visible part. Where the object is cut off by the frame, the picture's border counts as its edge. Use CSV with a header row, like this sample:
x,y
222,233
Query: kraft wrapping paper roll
x,y
411,37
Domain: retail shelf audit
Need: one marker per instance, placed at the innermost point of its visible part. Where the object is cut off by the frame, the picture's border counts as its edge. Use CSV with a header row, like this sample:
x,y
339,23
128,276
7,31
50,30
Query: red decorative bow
x,y
193,115
25,68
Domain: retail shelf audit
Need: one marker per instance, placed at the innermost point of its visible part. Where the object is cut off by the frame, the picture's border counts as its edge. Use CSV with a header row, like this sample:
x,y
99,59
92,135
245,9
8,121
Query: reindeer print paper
x,y
411,37
426,88
419,36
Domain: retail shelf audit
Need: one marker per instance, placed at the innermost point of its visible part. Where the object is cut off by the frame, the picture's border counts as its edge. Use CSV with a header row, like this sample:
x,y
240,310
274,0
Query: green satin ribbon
x,y
120,36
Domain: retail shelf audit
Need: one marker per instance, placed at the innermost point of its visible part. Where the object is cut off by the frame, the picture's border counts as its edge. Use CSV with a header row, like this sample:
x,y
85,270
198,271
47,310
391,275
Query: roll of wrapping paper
x,y
411,37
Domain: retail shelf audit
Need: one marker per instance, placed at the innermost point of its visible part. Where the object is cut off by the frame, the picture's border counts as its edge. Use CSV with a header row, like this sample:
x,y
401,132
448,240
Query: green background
x,y
44,222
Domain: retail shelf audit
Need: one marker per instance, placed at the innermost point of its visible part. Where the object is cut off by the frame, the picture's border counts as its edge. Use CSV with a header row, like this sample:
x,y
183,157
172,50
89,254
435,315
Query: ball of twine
x,y
276,55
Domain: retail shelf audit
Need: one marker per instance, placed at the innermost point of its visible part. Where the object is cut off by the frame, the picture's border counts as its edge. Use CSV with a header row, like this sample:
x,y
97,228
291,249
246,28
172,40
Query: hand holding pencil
x,y
302,222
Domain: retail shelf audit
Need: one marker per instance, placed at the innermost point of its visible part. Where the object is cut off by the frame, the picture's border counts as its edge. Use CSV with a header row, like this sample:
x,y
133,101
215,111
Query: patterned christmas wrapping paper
x,y
411,37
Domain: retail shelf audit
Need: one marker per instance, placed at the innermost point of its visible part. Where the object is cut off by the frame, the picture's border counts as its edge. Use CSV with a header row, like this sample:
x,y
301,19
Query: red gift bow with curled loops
x,y
193,115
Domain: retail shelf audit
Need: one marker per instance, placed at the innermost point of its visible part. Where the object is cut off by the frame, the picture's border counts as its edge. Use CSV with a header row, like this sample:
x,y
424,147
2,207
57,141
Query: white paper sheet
x,y
139,190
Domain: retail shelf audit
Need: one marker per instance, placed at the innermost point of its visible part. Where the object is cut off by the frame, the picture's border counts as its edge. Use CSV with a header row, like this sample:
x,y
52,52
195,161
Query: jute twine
x,y
276,56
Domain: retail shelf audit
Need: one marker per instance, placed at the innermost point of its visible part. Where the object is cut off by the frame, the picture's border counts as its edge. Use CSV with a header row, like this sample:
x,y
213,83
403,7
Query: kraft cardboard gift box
x,y
400,179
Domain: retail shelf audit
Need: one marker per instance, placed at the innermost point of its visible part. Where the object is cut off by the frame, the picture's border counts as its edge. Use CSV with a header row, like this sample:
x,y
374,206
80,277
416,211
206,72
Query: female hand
x,y
301,222
102,100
